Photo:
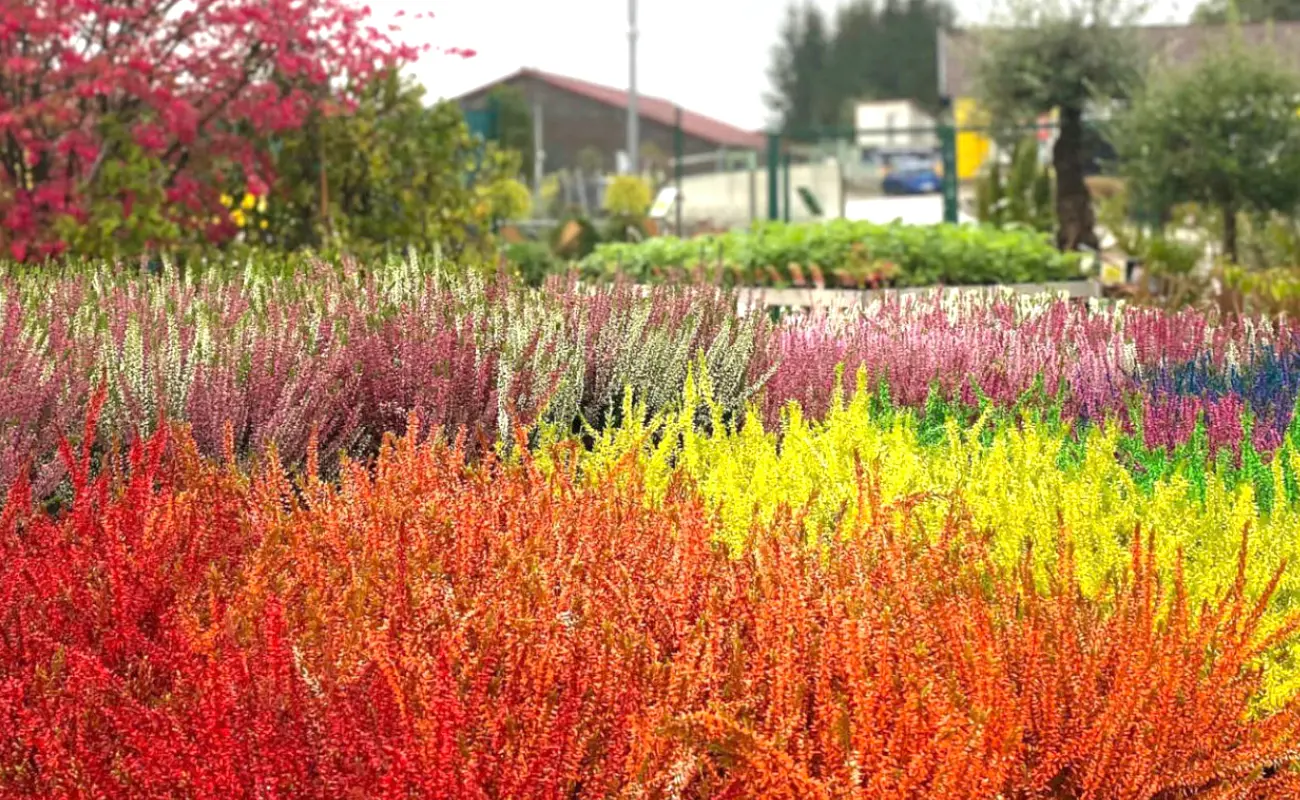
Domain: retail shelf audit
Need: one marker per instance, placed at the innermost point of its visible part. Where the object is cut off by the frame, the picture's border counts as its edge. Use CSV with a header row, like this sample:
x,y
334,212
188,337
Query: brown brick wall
x,y
572,122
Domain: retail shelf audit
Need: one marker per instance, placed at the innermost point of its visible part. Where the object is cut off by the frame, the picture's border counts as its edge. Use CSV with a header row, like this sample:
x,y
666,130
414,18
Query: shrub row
x,y
842,254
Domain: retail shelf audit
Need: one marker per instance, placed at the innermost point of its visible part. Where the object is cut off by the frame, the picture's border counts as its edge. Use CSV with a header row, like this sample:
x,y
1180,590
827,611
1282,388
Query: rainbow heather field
x,y
397,533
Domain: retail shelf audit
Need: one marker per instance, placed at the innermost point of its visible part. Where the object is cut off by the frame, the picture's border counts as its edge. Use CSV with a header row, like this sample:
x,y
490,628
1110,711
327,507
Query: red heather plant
x,y
434,629
917,671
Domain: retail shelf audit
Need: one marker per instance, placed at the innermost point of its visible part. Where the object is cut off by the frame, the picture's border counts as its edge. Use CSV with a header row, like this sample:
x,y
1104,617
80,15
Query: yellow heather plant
x,y
1007,480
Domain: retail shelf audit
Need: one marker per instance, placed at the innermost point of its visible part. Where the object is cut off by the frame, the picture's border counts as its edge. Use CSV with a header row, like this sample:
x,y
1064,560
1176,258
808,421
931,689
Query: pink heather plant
x,y
345,354
342,355
1093,359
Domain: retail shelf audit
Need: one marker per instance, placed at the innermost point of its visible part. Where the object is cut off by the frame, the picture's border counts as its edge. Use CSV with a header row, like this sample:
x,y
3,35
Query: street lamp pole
x,y
633,114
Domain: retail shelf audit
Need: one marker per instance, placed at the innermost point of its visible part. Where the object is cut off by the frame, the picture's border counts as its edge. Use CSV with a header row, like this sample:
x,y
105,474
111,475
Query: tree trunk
x,y
1075,219
1230,232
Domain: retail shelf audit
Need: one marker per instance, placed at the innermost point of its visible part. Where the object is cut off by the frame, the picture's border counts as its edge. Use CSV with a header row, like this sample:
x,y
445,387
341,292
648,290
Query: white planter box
x,y
846,298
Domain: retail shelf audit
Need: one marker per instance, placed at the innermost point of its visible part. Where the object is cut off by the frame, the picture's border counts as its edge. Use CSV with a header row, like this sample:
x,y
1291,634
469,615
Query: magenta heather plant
x,y
1092,360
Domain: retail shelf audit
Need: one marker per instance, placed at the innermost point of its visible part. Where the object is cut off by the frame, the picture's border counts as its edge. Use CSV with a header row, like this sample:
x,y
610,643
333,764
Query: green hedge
x,y
842,254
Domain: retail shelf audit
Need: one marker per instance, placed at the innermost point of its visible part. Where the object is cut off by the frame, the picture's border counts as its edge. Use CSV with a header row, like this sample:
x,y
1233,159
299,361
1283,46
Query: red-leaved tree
x,y
109,105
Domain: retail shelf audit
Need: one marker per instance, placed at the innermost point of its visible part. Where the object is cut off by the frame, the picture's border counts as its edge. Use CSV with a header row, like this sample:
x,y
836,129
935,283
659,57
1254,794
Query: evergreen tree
x,y
1219,11
801,95
874,50
515,126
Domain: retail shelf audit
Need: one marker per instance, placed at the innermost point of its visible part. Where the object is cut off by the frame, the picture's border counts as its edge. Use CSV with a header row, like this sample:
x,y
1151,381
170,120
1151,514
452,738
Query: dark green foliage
x,y
532,262
395,175
1023,196
800,94
888,50
1223,133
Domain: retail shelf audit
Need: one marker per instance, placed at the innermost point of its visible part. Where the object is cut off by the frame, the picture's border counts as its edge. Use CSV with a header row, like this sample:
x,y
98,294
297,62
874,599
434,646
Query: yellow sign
x,y
972,146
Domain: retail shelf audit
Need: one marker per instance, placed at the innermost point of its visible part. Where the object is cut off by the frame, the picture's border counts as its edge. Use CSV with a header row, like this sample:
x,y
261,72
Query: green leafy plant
x,y
1023,196
532,262
126,209
843,253
627,201
628,196
504,199
390,174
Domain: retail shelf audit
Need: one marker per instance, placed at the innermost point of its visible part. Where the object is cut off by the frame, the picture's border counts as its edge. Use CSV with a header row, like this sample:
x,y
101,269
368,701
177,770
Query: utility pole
x,y
633,113
539,152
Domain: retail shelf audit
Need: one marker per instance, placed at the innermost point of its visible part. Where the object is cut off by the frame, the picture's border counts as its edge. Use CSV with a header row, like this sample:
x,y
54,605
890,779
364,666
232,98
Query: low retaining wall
x,y
739,197
847,298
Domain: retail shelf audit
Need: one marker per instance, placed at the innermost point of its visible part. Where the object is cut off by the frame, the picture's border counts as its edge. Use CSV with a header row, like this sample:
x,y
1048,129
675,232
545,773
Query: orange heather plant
x,y
908,667
427,627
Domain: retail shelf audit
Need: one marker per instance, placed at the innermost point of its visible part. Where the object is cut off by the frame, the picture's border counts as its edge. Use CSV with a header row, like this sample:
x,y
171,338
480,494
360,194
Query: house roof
x,y
650,108
960,51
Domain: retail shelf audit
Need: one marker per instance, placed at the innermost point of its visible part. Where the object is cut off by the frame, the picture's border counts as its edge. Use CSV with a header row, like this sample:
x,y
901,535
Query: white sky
x,y
710,56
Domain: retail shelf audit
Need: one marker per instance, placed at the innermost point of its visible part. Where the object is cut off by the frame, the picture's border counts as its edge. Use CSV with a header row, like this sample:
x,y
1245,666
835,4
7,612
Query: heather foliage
x,y
342,353
1091,361
435,628
1020,475
348,350
398,530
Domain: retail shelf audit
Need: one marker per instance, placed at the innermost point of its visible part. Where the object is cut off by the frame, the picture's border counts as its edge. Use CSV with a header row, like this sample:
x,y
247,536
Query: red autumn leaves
x,y
200,86
428,628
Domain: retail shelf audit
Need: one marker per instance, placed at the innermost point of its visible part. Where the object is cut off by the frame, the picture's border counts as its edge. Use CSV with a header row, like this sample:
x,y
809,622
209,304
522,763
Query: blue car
x,y
913,176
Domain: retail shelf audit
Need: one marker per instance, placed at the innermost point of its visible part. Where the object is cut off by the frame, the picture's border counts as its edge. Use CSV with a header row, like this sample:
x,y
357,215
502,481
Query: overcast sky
x,y
710,56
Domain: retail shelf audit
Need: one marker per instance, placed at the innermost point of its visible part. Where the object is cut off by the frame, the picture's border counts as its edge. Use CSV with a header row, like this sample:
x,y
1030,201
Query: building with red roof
x,y
578,115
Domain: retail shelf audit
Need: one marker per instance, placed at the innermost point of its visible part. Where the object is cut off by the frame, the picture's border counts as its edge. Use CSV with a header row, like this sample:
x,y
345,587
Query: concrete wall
x,y
874,120
749,299
724,198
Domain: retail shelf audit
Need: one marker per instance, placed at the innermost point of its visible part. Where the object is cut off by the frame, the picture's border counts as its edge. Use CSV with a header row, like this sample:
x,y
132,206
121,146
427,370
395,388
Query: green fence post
x,y
785,185
773,170
948,148
485,122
